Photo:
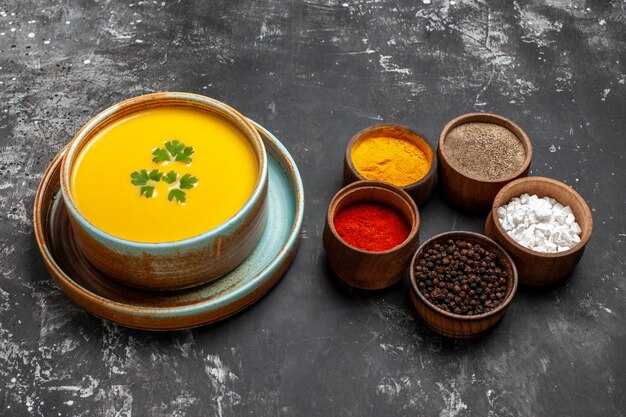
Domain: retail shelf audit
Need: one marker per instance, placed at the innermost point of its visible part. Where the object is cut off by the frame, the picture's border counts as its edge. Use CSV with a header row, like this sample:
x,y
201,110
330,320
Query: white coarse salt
x,y
540,224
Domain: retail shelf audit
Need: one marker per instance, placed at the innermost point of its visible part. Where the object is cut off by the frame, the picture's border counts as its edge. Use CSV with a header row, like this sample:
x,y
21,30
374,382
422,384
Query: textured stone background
x,y
314,73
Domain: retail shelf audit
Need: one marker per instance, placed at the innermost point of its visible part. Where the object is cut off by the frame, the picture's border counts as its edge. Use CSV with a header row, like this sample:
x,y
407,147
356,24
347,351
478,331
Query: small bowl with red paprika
x,y
461,283
371,232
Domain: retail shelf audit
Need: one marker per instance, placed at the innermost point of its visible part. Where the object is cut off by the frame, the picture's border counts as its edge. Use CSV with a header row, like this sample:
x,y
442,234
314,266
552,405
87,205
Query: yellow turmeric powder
x,y
392,160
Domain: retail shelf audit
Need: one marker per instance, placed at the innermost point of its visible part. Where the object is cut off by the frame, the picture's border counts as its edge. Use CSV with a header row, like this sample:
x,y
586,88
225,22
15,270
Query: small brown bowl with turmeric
x,y
394,154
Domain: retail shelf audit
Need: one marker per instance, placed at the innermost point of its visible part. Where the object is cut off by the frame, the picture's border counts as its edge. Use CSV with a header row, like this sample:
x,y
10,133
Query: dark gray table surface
x,y
314,73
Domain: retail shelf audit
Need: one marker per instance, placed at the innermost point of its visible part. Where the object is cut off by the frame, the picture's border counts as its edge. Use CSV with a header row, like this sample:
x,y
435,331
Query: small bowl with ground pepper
x,y
461,283
478,154
544,224
394,154
371,231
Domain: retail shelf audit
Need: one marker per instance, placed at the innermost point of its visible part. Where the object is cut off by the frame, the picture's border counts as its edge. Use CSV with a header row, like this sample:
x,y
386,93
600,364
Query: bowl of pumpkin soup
x,y
166,191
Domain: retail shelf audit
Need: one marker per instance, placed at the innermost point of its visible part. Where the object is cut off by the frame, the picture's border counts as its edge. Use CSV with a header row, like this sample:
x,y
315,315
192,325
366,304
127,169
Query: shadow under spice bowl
x,y
436,284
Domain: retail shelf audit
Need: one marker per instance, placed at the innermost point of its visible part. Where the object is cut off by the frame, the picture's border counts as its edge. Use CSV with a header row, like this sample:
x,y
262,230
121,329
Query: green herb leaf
x,y
170,177
178,194
184,155
174,151
142,179
139,177
155,175
148,190
174,147
160,155
187,182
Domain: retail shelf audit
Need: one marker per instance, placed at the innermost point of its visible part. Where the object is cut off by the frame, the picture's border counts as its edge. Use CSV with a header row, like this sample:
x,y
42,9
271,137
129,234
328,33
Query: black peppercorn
x,y
462,277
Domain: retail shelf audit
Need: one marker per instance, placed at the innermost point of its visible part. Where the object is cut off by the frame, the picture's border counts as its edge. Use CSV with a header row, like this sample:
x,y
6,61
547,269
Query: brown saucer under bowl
x,y
365,269
109,299
457,325
470,193
421,190
538,268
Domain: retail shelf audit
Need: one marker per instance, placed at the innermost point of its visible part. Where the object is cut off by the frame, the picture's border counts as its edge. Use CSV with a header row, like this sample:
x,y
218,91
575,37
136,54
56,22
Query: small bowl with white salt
x,y
544,225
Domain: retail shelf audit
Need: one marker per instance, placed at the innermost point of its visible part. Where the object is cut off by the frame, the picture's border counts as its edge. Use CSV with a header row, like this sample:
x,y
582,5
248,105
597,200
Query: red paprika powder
x,y
372,227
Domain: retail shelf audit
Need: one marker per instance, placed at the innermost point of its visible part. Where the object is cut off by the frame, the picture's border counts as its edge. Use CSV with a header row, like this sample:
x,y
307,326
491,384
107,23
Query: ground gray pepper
x,y
462,277
485,151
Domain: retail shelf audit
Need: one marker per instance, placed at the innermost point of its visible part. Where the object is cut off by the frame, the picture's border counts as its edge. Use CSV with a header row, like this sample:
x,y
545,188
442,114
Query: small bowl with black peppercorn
x,y
461,283
371,232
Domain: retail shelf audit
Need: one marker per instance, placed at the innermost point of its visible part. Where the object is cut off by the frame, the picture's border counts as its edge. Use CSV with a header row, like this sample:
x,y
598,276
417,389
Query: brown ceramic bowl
x,y
182,263
538,268
457,325
364,269
420,190
470,193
